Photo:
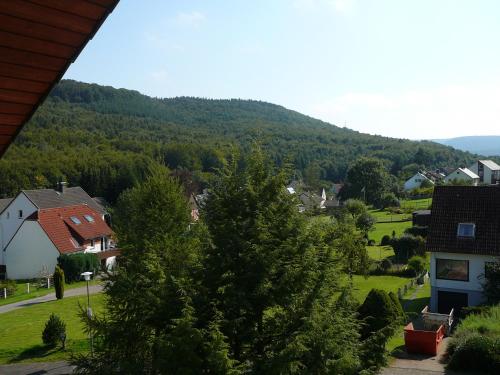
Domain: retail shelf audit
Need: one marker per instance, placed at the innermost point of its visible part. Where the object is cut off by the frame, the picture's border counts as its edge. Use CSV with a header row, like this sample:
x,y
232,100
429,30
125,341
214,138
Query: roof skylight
x,y
89,218
75,220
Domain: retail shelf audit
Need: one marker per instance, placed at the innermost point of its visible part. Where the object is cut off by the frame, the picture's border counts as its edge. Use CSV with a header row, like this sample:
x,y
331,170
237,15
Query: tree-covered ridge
x,y
104,138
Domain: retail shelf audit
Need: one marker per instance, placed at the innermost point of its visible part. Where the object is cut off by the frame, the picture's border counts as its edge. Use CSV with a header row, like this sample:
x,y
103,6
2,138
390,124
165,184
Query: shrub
x,y
417,231
59,282
386,264
377,312
407,246
475,352
74,265
10,285
389,200
54,332
386,240
397,304
416,264
475,346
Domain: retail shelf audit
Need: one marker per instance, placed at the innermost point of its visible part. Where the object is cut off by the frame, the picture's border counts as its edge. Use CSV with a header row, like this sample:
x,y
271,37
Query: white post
x,y
5,293
48,282
28,284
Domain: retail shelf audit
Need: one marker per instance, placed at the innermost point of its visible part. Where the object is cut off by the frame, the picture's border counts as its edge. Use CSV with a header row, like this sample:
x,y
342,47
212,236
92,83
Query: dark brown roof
x,y
50,198
452,205
39,39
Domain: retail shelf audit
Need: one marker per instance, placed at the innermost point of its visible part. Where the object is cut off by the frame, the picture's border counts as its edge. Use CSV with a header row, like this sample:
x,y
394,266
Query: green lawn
x,y
22,294
362,285
21,330
380,229
416,204
379,252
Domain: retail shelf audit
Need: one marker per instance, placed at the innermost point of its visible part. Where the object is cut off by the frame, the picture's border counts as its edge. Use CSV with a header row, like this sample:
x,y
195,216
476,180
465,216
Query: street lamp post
x,y
86,276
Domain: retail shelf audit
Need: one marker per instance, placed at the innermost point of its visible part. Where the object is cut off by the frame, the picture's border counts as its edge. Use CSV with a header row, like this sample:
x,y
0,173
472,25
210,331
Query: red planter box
x,y
423,342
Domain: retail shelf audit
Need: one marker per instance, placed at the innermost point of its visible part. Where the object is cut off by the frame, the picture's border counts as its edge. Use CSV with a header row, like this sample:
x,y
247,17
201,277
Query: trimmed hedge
x,y
74,265
378,311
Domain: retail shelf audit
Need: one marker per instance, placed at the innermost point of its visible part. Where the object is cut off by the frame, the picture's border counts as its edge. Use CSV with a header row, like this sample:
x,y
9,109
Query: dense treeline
x,y
104,139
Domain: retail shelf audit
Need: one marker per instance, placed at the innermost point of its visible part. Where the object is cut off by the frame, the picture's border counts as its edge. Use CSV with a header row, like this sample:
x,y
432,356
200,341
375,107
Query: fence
x,y
411,284
43,283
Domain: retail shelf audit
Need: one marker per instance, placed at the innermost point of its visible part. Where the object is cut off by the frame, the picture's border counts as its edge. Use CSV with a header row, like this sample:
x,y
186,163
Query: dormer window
x,y
89,218
466,230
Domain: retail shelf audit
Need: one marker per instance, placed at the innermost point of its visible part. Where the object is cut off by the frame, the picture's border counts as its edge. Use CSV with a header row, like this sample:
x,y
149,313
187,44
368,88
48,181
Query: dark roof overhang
x,y
39,39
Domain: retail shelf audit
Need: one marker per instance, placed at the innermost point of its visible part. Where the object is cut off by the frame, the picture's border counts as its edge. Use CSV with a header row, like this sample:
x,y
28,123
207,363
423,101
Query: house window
x,y
452,269
466,230
20,214
92,243
75,220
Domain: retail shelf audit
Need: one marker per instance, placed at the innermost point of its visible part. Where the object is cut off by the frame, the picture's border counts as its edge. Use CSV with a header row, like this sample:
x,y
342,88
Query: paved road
x,y
50,297
45,368
412,364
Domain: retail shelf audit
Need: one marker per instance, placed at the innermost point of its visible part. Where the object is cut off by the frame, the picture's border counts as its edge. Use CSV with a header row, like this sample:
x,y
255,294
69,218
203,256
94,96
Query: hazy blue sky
x,y
412,69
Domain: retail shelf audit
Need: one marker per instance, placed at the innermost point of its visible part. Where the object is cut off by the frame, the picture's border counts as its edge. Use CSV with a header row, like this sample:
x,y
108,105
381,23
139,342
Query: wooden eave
x,y
39,39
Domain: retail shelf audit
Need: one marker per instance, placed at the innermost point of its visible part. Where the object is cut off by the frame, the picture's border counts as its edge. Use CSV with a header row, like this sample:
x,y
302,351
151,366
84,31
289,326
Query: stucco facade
x,y
29,252
473,287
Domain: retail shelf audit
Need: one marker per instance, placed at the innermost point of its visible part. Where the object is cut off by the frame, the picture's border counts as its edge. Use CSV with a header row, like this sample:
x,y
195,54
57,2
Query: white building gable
x,y
462,174
13,216
416,181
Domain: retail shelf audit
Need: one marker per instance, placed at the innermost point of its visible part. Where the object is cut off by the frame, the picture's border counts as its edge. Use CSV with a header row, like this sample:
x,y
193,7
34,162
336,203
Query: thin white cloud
x,y
429,113
190,19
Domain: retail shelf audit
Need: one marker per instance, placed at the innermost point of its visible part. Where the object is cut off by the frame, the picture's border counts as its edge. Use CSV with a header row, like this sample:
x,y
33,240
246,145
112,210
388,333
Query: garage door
x,y
452,300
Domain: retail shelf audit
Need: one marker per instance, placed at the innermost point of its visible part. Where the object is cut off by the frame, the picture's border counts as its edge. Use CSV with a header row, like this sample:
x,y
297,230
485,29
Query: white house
x,y
463,240
416,181
20,235
487,170
462,175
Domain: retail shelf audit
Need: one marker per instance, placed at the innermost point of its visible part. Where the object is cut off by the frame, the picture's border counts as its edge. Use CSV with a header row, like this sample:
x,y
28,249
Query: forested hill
x,y
104,139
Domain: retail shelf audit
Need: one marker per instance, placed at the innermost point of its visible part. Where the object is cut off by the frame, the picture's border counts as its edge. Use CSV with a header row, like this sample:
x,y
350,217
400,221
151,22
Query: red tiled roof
x,y
64,233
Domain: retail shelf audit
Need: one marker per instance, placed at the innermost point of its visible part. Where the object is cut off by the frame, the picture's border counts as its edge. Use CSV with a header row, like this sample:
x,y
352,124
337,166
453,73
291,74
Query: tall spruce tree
x,y
272,277
150,324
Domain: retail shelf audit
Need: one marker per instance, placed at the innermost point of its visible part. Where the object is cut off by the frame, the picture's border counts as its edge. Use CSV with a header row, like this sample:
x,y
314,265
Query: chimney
x,y
61,186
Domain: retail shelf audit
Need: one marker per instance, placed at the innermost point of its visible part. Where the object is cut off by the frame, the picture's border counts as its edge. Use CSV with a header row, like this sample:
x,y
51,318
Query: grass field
x,y
21,330
380,229
22,294
362,285
416,204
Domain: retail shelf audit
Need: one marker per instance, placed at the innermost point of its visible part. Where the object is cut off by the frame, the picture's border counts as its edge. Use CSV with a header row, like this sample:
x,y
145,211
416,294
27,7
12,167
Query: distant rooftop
x,y
50,198
490,164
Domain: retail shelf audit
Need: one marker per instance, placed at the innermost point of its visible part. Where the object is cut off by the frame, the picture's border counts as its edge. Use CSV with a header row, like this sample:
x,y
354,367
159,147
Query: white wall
x,y
415,181
476,269
29,251
459,175
10,221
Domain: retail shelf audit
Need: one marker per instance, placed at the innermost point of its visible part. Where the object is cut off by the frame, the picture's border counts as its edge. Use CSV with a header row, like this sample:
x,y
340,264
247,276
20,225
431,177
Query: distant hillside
x,y
483,144
104,139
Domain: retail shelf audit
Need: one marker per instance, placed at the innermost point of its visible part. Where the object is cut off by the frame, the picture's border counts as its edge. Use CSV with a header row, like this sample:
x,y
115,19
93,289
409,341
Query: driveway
x,y
413,364
40,368
50,297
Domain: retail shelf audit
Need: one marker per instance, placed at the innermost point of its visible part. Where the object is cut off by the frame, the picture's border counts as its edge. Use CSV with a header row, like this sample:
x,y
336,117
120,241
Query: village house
x,y
462,175
463,240
416,181
487,170
38,225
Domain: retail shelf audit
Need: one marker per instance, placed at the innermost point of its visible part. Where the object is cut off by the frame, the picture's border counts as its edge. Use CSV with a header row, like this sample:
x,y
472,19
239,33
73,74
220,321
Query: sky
x,y
425,69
